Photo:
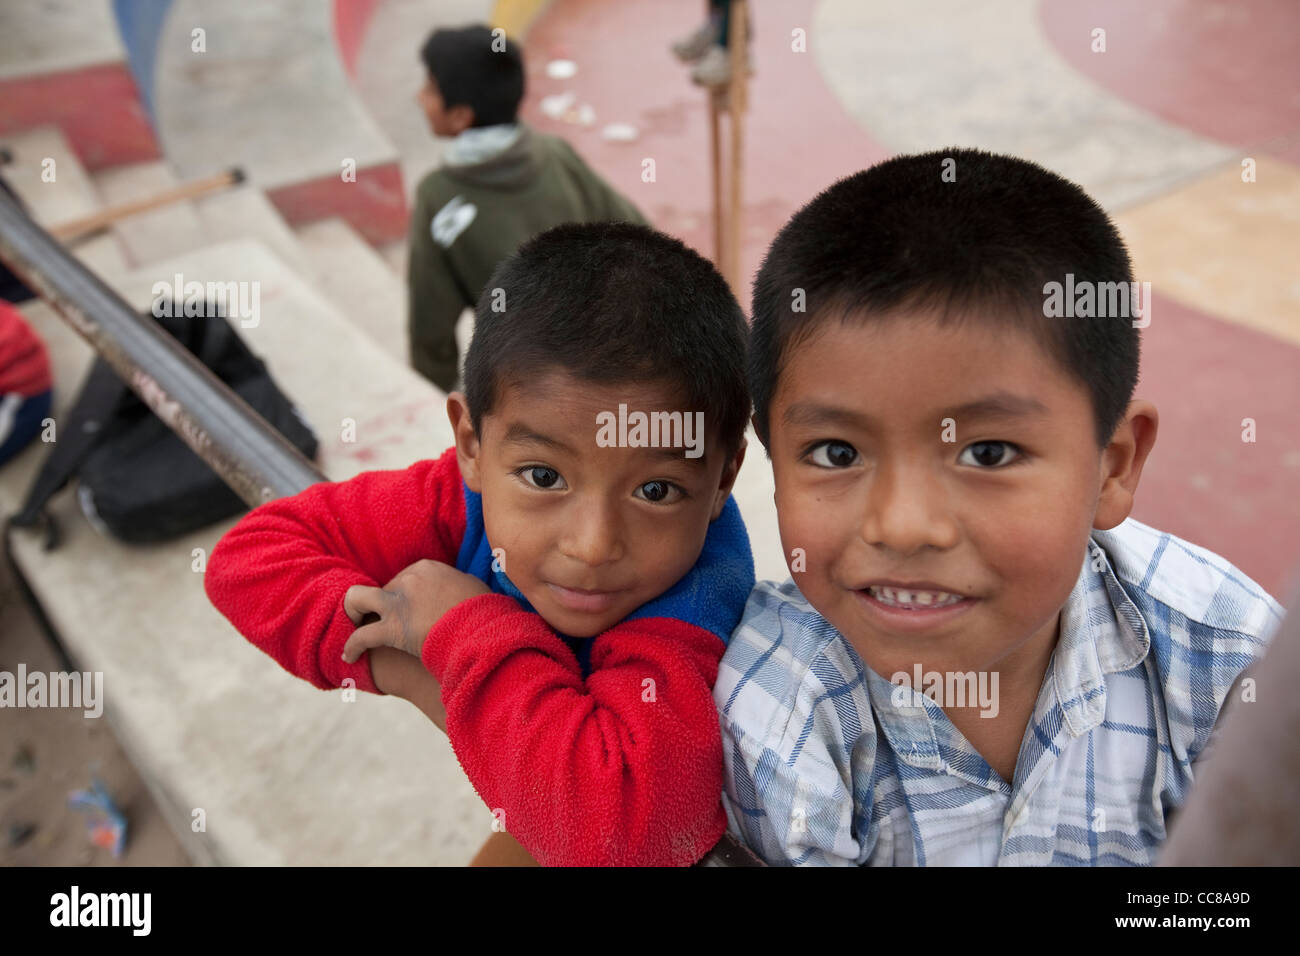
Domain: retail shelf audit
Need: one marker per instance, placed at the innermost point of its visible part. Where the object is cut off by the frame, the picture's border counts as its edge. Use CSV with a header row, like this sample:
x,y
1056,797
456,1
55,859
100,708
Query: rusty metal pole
x,y
250,456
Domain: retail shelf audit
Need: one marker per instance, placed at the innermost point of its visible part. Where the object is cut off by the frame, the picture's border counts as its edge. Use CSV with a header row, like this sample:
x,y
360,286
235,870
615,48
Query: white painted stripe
x,y
935,73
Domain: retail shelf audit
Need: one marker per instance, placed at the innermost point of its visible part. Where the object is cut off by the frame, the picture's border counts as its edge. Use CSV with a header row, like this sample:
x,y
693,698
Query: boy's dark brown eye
x,y
655,490
543,477
840,454
833,454
989,454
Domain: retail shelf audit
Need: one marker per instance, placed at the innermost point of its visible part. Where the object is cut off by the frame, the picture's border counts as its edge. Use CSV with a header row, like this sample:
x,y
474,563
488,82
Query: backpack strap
x,y
82,429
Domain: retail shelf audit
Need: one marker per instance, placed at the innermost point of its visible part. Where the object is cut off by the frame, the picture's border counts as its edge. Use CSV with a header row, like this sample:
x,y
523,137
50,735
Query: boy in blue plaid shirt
x,y
980,658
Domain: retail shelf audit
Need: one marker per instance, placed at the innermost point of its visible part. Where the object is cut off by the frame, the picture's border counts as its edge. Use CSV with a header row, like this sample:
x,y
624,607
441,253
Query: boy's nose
x,y
907,510
593,535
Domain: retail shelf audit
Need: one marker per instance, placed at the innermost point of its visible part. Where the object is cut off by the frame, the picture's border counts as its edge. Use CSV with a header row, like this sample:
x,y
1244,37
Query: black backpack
x,y
138,481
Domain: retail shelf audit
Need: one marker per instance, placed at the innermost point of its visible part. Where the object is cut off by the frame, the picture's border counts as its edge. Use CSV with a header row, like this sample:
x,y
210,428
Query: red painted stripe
x,y
1226,71
374,205
98,108
351,18
1202,482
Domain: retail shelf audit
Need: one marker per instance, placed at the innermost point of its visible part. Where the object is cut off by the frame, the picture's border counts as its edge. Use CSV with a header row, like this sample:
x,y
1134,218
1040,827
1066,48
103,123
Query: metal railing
x,y
249,455
238,444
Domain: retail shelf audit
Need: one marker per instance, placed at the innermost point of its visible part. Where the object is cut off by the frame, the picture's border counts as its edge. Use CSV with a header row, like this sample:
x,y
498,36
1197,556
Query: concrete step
x,y
244,212
237,212
194,705
66,191
56,36
158,233
352,275
70,195
394,253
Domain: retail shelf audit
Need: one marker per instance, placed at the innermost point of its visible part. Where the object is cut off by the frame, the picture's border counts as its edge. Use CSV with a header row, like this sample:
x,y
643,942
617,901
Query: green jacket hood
x,y
515,168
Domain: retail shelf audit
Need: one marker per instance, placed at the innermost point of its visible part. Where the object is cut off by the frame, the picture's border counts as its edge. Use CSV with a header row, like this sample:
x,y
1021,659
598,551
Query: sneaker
x,y
714,68
691,48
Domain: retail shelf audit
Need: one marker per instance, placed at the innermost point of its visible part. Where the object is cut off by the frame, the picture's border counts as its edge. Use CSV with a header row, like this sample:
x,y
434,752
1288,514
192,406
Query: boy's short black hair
x,y
474,69
612,302
984,239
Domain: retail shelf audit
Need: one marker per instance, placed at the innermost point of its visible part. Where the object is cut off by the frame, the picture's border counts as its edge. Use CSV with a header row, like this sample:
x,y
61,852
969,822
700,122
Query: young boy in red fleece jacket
x,y
597,442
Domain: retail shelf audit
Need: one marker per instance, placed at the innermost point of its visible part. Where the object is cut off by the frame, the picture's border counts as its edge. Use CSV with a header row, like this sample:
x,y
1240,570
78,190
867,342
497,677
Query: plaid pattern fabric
x,y
823,767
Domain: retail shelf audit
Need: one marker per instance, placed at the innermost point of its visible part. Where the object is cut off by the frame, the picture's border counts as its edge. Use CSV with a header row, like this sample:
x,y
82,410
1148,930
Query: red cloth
x,y
24,365
587,772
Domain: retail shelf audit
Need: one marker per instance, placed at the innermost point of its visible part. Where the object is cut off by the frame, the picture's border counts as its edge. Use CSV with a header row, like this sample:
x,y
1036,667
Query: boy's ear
x,y
729,472
467,443
1122,461
461,117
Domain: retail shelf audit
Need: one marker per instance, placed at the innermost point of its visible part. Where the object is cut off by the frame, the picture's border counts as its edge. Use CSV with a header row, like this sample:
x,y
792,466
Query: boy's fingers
x,y
362,640
360,600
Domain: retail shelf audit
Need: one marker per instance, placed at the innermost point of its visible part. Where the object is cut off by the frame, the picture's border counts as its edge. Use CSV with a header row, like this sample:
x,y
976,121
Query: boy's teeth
x,y
901,598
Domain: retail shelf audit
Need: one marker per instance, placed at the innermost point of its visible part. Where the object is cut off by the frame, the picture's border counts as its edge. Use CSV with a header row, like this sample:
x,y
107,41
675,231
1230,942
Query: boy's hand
x,y
402,613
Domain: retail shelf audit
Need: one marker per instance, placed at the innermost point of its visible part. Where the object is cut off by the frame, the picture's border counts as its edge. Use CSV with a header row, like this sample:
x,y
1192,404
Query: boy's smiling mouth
x,y
912,596
912,606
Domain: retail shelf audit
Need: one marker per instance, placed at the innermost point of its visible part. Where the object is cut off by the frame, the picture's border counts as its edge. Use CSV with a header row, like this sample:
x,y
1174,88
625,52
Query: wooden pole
x,y
736,41
87,226
715,161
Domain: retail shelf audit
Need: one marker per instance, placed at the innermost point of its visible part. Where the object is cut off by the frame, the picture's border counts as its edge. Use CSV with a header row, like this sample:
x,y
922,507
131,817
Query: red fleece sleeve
x,y
622,769
280,574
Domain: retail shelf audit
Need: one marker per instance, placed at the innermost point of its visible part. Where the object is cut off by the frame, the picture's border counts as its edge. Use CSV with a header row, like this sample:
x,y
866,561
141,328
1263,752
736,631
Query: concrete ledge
x,y
359,283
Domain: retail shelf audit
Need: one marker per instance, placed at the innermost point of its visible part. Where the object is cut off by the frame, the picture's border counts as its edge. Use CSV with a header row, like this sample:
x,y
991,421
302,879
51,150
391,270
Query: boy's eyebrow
x,y
811,413
1000,405
995,405
520,434
677,454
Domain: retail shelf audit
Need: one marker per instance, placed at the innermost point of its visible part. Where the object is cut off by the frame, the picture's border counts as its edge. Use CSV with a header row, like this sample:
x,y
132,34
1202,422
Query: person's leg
x,y
713,69
695,45
501,849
